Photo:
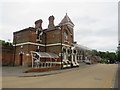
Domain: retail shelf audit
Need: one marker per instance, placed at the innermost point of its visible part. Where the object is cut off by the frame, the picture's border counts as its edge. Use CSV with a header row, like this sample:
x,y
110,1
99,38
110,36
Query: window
x,y
75,51
65,36
39,34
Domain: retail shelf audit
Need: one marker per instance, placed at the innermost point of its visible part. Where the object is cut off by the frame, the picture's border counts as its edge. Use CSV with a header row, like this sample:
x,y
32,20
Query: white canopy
x,y
81,47
45,54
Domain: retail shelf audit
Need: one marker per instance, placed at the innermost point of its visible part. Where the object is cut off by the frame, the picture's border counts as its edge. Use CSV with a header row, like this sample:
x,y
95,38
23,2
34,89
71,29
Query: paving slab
x,y
18,71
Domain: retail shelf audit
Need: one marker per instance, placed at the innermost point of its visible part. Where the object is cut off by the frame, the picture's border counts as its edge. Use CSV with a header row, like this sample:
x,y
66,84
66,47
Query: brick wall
x,y
54,49
25,35
43,69
7,54
53,36
25,61
70,35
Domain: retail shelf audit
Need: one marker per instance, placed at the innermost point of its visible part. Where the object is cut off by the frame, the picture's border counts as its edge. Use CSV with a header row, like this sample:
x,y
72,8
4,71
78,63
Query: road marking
x,y
109,80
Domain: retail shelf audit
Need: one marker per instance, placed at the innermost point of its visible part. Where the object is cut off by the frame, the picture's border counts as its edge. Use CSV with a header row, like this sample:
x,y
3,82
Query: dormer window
x,y
39,34
65,36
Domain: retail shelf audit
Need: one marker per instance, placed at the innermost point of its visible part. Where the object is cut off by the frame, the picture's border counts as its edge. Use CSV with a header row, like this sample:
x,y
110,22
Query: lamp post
x,y
9,41
14,49
61,48
71,56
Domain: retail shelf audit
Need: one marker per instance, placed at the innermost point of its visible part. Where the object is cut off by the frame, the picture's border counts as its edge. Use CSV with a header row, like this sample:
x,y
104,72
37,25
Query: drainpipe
x,y
61,48
45,43
14,51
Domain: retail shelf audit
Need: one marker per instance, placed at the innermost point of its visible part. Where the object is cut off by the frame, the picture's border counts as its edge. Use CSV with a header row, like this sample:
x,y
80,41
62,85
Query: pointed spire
x,y
66,20
66,13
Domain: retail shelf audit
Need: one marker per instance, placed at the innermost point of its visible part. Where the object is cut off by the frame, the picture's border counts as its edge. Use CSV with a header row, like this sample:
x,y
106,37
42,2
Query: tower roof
x,y
66,20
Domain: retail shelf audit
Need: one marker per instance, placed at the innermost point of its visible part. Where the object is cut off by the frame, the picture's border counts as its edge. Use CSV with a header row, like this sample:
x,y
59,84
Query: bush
x,y
5,43
104,60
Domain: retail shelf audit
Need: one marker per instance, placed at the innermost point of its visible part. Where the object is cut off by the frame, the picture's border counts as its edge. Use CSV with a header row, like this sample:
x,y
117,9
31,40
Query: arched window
x,y
75,51
65,36
64,50
39,34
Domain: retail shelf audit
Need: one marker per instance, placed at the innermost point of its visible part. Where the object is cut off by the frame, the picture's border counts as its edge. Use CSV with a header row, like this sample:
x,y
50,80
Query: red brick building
x,y
52,47
58,40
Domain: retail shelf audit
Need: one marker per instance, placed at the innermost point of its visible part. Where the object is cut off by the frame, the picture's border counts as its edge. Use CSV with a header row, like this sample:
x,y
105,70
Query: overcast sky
x,y
96,22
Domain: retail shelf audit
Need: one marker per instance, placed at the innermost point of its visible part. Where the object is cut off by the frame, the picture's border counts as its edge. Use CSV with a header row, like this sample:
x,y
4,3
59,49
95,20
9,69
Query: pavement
x,y
19,71
88,76
117,78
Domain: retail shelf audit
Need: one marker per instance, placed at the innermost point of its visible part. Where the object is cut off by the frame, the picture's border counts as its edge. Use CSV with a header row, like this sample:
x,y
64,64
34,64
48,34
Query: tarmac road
x,y
95,76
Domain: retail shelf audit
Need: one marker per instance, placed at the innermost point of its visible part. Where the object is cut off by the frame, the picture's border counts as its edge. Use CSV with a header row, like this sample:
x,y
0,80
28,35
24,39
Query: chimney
x,y
38,23
51,21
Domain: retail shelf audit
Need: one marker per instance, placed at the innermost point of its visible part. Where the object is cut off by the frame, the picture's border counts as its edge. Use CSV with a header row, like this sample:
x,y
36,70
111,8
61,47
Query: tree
x,y
94,53
118,55
110,57
5,43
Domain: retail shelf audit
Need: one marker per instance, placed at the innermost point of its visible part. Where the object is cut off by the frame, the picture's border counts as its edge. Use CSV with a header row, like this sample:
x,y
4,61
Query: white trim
x,y
36,44
53,44
66,45
28,43
27,54
40,44
54,62
21,53
64,66
68,65
57,44
68,23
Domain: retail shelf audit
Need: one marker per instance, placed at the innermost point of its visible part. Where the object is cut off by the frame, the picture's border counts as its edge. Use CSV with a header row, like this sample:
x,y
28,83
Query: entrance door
x,y
21,59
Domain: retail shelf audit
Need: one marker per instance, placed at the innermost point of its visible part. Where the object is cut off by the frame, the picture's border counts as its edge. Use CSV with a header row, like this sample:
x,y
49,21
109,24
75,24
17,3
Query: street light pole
x,y
14,50
61,48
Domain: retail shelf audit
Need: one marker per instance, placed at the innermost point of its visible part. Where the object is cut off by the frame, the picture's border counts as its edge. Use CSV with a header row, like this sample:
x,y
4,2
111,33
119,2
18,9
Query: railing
x,y
45,64
37,61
